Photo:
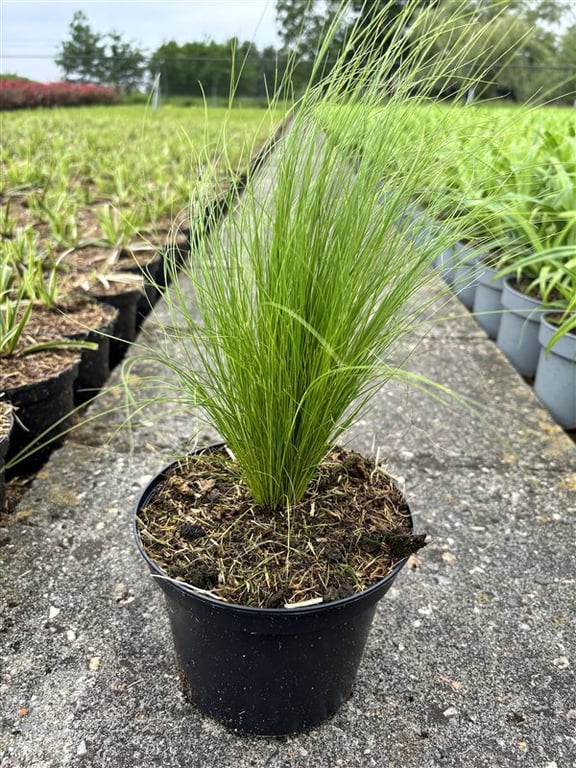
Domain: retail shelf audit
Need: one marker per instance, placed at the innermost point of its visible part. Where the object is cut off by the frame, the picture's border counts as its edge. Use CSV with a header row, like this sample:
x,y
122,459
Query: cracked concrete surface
x,y
471,660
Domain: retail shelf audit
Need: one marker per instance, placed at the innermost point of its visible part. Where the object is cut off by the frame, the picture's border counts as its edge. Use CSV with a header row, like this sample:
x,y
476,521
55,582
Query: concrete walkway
x,y
471,660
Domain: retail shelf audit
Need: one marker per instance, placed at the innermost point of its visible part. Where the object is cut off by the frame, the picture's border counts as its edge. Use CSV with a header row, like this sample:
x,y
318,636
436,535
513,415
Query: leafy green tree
x,y
522,56
80,57
247,68
88,56
513,50
536,68
272,69
124,65
210,69
303,24
567,56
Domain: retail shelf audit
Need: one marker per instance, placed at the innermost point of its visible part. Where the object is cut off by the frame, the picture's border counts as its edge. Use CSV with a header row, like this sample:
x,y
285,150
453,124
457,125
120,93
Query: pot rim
x,y
564,346
528,303
546,320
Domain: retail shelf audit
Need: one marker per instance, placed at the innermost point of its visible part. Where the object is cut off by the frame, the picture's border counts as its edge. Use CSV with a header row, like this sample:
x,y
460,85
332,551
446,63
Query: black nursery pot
x,y
175,255
94,367
125,325
4,445
149,265
44,414
266,671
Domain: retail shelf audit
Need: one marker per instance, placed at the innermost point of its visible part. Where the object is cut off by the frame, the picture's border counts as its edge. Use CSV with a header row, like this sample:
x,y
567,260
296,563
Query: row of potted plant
x,y
536,336
508,182
76,279
521,282
81,173
509,190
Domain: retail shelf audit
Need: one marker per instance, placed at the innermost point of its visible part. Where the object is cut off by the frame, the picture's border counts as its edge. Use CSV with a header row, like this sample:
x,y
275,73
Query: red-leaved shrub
x,y
24,94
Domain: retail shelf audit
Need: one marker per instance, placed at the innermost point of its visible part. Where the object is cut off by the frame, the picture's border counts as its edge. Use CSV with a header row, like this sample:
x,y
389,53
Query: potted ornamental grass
x,y
274,546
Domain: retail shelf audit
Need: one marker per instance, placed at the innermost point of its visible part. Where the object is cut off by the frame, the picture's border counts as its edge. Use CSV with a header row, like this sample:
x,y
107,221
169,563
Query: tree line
x,y
532,37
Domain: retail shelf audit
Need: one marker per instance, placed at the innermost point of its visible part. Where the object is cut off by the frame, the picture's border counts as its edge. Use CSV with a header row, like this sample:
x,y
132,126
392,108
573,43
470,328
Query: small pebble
x,y
541,709
81,748
119,591
450,712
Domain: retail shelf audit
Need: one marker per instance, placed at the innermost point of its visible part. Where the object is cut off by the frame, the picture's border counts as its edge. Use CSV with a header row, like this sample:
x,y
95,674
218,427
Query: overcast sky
x,y
31,30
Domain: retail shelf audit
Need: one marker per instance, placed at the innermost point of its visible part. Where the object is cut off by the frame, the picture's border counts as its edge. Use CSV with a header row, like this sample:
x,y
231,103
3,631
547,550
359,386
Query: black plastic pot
x,y
146,261
266,671
43,415
4,445
94,367
175,255
125,326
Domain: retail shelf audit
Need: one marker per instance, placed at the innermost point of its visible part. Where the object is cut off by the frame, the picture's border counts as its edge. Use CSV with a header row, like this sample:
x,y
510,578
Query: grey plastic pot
x,y
446,263
487,305
555,382
518,331
465,271
414,224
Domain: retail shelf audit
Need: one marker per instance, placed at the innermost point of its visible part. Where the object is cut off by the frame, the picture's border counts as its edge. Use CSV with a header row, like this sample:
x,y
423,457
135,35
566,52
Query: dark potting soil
x,y
103,259
92,270
75,318
526,287
21,369
350,529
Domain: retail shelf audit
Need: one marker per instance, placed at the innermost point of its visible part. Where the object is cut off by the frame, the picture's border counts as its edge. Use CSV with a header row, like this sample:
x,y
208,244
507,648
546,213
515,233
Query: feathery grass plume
x,y
289,319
